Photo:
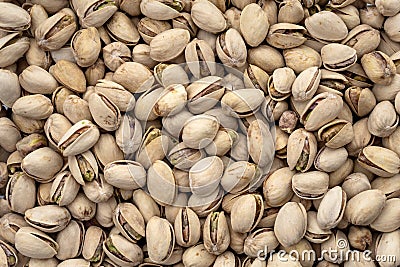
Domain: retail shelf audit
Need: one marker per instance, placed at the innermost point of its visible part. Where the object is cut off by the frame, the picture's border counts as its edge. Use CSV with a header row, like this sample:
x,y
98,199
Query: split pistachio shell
x,y
258,239
83,167
120,28
171,101
383,119
306,84
336,134
365,207
105,113
202,55
133,76
86,46
20,192
277,188
129,221
239,176
291,224
314,233
153,147
231,48
286,35
361,100
161,174
70,75
64,189
325,156
121,251
379,67
48,218
92,249
260,143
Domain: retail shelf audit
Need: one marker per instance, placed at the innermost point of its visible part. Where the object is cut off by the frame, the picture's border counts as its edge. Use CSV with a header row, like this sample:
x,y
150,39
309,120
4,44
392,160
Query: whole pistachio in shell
x,y
171,101
125,174
286,35
315,234
70,75
54,32
388,221
20,192
33,243
153,147
92,249
326,26
379,160
379,67
361,100
260,143
161,10
231,48
205,175
9,134
242,102
383,119
338,57
324,159
187,227
105,113
83,167
36,80
246,212
254,24
320,110
10,89
13,18
199,131
86,46
161,182
365,207
301,58
306,84
37,107
301,150
42,164
183,157
198,256
239,176
255,77
360,237
355,183
48,218
121,29
310,185
280,83
363,38
160,46
291,223
129,221
385,245
79,138
258,239
208,17
160,239
94,13
277,188
331,208
134,77
121,251
12,48
201,57
216,233
64,188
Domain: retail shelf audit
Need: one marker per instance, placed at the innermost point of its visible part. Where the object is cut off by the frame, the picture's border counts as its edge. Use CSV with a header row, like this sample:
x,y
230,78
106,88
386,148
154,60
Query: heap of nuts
x,y
199,133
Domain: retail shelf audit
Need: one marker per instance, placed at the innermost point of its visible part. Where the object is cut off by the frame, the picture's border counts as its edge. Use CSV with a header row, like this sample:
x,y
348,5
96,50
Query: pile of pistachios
x,y
199,133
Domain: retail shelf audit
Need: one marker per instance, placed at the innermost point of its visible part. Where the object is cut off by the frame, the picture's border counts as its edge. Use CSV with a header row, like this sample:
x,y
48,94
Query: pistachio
x,y
310,185
378,67
121,251
208,17
160,247
337,57
246,212
380,161
160,46
129,221
86,47
35,244
254,24
231,48
14,18
216,233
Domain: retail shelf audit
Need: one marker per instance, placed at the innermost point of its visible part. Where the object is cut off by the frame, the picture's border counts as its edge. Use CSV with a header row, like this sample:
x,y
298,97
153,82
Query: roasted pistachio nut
x,y
379,67
205,175
14,18
8,255
9,135
83,167
260,143
121,251
154,147
125,174
290,224
216,233
183,157
361,100
277,188
314,233
70,240
286,35
385,243
36,80
133,76
380,161
240,176
94,13
365,207
129,221
69,75
258,239
301,150
48,218
79,138
200,53
323,160
357,38
336,134
20,192
158,174
280,83
82,208
388,221
254,24
12,48
120,28
35,244
10,89
252,205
